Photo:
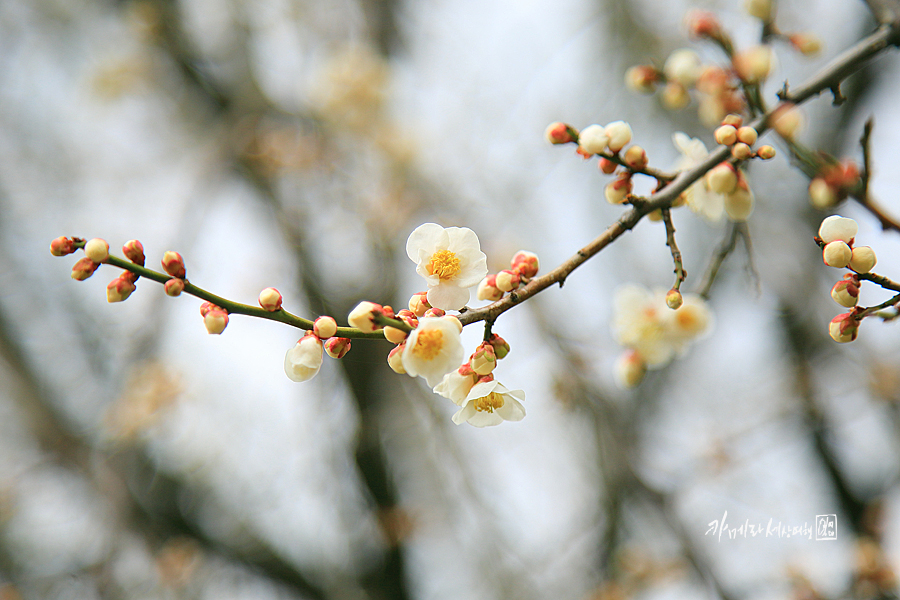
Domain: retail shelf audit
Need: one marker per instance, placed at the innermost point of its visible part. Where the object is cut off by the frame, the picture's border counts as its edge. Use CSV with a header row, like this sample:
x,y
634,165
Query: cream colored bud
x,y
726,135
722,178
837,254
619,133
747,135
593,139
325,327
862,259
97,250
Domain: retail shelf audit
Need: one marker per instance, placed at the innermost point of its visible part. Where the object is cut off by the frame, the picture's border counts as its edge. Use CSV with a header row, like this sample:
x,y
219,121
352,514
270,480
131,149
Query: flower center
x,y
444,264
489,403
428,343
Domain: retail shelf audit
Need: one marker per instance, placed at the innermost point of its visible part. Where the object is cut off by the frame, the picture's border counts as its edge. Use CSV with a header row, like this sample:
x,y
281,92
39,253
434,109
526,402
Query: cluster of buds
x,y
303,361
836,238
523,267
834,182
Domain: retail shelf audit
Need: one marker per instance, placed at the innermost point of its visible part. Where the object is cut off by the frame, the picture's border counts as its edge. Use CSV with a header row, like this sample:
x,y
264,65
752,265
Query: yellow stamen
x,y
444,264
489,403
428,343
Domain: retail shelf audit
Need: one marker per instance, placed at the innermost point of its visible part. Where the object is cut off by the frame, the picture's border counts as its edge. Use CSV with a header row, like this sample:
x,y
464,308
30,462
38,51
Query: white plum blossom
x,y
644,323
433,349
450,260
302,362
490,403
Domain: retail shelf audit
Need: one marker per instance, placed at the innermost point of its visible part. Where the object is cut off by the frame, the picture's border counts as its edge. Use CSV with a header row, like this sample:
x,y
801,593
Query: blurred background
x,y
295,144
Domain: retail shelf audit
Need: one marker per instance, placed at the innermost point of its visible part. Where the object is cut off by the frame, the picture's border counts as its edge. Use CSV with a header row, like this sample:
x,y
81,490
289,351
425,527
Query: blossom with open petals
x,y
302,362
433,349
450,260
490,403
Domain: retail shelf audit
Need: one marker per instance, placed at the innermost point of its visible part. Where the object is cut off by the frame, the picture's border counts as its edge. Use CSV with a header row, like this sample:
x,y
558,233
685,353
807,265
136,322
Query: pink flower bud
x,y
83,269
62,246
560,133
766,152
395,359
747,135
674,299
174,287
488,290
484,359
641,79
618,190
216,321
607,166
837,254
846,293
844,328
726,135
337,347
270,299
525,263
97,250
862,259
119,289
501,348
722,179
134,251
325,327
619,134
507,281
173,264
635,158
362,316
418,303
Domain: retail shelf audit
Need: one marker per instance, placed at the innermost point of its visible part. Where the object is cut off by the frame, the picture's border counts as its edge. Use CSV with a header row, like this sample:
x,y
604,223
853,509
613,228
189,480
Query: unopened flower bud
x,y
484,359
216,321
337,347
560,133
726,135
843,328
83,269
787,121
722,179
418,303
434,312
821,194
325,327
488,290
174,287
753,64
635,158
395,361
766,152
761,9
97,250
683,66
173,264
134,251
501,347
846,293
807,43
674,299
641,79
119,289
593,139
617,191
735,121
862,259
607,166
741,151
837,227
507,281
62,246
362,317
619,133
630,369
270,299
525,263
747,135
837,254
